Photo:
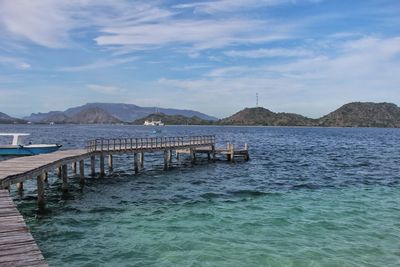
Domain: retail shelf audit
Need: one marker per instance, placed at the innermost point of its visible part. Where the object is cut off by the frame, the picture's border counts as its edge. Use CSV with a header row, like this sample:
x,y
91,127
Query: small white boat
x,y
153,123
17,148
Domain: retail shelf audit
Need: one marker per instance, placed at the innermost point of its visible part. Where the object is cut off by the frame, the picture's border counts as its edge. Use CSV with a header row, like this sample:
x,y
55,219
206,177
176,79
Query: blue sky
x,y
302,56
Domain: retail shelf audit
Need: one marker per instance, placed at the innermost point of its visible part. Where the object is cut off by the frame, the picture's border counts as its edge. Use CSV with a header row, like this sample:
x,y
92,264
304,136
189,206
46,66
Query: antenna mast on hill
x,y
257,100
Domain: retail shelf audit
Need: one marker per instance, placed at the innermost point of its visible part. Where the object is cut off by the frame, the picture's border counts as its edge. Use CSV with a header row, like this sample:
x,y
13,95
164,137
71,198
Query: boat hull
x,y
27,151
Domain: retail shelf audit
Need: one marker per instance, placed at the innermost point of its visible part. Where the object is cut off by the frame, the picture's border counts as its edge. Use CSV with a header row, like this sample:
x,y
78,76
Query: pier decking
x,y
17,246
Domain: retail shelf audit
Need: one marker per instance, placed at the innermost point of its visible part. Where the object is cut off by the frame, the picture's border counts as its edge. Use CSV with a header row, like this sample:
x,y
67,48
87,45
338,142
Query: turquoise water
x,y
308,197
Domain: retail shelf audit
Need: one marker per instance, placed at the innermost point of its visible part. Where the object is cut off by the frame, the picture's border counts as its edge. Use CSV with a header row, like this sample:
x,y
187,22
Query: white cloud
x,y
23,66
264,53
366,69
14,62
105,89
43,22
131,25
198,34
229,5
99,64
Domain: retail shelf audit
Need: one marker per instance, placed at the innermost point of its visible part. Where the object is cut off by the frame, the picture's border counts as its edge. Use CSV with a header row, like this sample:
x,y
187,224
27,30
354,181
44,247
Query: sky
x,y
301,56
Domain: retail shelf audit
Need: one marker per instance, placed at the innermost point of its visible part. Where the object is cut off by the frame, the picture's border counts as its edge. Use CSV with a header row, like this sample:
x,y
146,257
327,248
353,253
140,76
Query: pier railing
x,y
148,143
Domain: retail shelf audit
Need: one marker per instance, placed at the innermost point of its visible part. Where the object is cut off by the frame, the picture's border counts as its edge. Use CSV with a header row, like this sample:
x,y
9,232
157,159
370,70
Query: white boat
x,y
17,148
153,123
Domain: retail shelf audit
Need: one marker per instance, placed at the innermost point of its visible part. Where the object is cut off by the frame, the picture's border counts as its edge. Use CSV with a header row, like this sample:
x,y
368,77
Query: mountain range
x,y
356,114
120,111
6,119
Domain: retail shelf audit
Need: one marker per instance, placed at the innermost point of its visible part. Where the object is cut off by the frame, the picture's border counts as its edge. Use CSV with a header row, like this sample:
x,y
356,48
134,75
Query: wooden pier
x,y
17,247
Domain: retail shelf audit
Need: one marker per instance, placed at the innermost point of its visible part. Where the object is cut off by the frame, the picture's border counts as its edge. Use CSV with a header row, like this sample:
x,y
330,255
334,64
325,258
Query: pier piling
x,y
110,162
40,191
81,172
64,176
20,186
101,159
141,159
93,165
73,167
136,162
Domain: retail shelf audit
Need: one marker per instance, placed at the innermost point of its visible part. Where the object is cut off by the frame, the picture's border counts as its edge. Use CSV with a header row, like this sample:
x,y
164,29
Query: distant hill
x,y
93,115
6,119
356,114
43,117
262,116
363,114
174,119
123,112
56,117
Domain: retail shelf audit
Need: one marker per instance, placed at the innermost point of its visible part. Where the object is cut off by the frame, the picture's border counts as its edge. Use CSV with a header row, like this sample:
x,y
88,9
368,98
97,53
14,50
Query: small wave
x,y
211,195
306,186
105,210
249,193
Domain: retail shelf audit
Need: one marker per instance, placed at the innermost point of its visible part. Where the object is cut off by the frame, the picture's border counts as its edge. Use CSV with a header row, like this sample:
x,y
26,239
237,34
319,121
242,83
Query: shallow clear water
x,y
307,197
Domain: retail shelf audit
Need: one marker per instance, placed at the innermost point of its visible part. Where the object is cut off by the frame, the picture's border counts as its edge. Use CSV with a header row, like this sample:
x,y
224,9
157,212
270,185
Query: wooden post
x,y
46,177
102,165
165,159
73,166
81,172
59,172
232,152
246,157
213,152
135,162
170,156
64,176
192,155
177,154
20,186
110,162
228,155
93,165
40,191
141,159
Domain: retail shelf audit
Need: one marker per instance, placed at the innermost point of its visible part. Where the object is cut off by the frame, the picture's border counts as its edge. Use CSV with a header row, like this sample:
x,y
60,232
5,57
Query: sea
x,y
307,197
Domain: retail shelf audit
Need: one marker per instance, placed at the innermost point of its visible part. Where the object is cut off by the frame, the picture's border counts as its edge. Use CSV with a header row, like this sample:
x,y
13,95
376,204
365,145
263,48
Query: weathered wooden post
x,y
170,156
110,162
20,186
64,176
213,152
136,162
177,154
165,159
40,191
81,172
93,165
46,177
232,152
228,155
246,147
192,155
101,165
73,166
141,159
59,172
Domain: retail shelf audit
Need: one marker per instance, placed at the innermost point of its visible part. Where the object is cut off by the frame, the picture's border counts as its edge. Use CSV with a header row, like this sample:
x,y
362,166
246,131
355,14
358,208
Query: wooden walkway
x,y
17,246
18,170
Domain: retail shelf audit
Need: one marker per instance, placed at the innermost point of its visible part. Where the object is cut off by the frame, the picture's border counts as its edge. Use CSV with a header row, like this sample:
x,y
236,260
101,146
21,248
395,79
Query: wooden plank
x,y
17,246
